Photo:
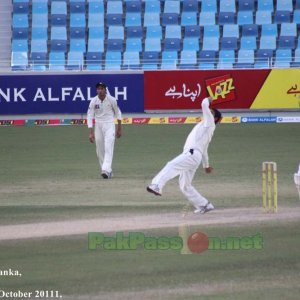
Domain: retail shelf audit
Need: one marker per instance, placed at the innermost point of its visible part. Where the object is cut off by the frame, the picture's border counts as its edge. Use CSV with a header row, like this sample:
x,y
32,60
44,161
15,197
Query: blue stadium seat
x,y
19,61
20,21
114,7
209,6
298,44
38,61
77,7
151,19
282,16
154,32
266,5
150,60
133,19
77,20
296,62
77,45
113,60
268,42
20,33
210,43
207,60
226,56
250,30
134,45
191,44
190,6
58,20
170,19
283,58
207,18
212,31
96,8
192,31
173,31
172,44
231,30
39,1
152,44
188,59
58,46
263,58
286,5
246,5
39,46
248,43
263,17
58,33
96,33
94,61
171,6
115,45
75,61
245,17
288,29
269,30
169,60
75,1
95,45
227,6
39,8
152,7
57,61
297,16
188,18
58,7
229,43
226,18
116,32
23,1
131,60
96,20
134,32
133,7
19,46
77,33
20,8
286,42
114,19
245,57
297,5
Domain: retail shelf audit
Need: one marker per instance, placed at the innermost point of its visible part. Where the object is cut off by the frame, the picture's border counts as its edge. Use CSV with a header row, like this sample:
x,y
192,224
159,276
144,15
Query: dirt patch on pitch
x,y
236,216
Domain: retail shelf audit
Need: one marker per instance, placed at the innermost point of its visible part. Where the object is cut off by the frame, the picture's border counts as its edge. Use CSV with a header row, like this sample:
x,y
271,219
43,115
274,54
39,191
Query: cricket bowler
x,y
186,164
104,108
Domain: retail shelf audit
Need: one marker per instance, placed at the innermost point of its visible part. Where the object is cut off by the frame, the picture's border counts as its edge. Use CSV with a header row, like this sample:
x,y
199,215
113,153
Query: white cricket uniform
x,y
104,113
186,164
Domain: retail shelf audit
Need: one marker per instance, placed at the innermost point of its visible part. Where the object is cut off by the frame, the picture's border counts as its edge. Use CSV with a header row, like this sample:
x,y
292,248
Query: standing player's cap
x,y
101,84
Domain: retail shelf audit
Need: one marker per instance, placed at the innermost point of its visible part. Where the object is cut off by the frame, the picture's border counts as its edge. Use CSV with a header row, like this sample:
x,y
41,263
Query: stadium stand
x,y
152,34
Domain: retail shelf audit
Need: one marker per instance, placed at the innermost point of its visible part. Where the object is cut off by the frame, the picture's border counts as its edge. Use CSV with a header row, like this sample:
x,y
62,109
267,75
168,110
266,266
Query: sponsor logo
x,y
259,119
126,121
288,119
78,122
6,122
140,120
221,89
41,122
176,120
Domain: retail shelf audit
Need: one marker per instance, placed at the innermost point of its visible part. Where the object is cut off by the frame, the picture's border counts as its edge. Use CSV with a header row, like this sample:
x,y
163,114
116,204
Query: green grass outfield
x,y
51,173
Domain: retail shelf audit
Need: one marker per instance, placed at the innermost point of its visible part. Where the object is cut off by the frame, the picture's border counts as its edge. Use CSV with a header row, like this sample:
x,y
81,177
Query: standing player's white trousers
x,y
105,141
184,165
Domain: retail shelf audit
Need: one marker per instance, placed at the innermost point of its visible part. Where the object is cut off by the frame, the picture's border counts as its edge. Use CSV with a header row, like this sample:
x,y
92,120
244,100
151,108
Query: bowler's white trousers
x,y
105,141
184,165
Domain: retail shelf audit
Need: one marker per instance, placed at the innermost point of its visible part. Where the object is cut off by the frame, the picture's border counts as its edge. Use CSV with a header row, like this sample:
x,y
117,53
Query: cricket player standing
x,y
186,164
104,108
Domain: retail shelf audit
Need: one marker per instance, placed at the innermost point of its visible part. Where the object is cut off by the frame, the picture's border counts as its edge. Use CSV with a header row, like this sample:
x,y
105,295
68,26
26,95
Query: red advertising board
x,y
184,90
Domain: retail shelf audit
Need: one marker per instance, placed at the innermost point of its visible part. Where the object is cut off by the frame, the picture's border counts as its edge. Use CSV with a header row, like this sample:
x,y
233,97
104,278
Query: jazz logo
x,y
221,89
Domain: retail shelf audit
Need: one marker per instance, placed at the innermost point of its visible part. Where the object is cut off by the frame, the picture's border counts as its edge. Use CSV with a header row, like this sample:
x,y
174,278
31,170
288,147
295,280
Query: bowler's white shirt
x,y
103,111
200,137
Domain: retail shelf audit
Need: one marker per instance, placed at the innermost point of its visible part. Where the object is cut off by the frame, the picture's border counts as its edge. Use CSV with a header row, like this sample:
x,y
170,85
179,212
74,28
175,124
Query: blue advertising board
x,y
262,119
67,94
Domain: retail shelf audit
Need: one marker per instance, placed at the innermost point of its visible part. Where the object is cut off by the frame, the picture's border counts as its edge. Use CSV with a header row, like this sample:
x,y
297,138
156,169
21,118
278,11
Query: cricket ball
x,y
198,242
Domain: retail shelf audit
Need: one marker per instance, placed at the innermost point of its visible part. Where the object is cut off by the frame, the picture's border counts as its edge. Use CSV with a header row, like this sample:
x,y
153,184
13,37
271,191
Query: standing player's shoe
x,y
106,175
154,189
204,209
